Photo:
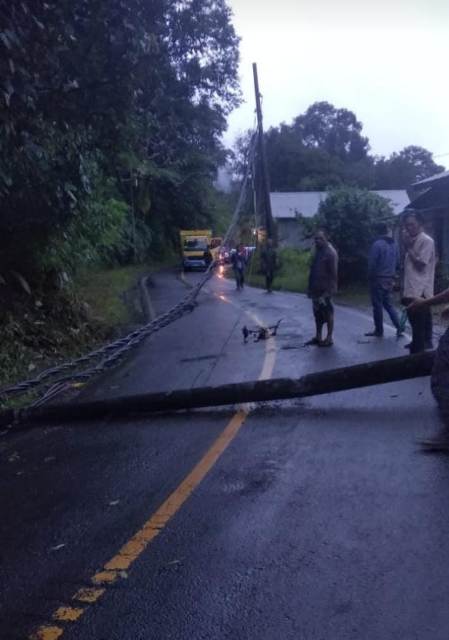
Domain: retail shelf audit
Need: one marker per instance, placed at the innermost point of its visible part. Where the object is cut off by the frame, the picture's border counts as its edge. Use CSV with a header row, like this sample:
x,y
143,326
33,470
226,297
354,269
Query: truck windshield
x,y
195,244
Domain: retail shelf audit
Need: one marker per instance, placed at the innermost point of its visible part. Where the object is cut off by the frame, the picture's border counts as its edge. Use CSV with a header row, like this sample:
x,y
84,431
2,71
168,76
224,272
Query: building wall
x,y
290,233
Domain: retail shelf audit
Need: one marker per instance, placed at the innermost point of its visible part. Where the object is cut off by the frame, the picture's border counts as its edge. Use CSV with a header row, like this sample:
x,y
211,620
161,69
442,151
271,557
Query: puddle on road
x,y
201,358
257,479
288,347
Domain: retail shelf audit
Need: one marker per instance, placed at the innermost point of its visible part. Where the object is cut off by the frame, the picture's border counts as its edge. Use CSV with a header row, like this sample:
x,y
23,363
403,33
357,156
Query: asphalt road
x,y
310,520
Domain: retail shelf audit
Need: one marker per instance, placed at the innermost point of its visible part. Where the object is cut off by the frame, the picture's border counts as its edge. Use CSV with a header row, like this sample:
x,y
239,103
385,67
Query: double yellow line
x,y
117,567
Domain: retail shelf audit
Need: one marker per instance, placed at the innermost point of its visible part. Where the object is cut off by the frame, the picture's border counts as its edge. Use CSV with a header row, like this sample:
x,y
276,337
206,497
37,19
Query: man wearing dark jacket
x,y
323,278
268,260
382,268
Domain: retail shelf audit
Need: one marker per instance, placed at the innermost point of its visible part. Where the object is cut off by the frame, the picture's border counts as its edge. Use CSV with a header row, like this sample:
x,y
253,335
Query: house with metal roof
x,y
291,208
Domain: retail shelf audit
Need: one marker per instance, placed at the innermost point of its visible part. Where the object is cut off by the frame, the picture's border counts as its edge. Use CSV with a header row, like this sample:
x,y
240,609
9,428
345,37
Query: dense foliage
x,y
325,148
110,121
350,216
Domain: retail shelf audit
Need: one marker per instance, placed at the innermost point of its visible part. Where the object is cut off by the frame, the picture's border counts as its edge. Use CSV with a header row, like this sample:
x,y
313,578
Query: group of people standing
x,y
417,256
383,268
418,276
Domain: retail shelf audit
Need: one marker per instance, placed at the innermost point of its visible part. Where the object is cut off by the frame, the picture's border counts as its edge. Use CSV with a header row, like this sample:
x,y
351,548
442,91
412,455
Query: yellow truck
x,y
195,248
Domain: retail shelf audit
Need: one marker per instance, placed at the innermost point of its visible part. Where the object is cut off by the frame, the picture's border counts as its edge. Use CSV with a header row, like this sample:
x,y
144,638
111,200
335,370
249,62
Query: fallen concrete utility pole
x,y
352,377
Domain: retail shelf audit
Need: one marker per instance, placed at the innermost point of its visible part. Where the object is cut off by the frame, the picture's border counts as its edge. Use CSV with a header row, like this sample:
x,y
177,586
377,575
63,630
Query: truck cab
x,y
196,248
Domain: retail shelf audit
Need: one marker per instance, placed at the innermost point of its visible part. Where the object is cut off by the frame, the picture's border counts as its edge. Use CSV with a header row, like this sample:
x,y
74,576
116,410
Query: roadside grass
x,y
61,327
293,273
104,291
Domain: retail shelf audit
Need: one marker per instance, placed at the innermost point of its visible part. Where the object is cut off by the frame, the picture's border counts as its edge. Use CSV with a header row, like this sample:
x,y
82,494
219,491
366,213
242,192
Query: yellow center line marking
x,y
117,566
270,351
105,577
47,633
138,543
88,595
67,614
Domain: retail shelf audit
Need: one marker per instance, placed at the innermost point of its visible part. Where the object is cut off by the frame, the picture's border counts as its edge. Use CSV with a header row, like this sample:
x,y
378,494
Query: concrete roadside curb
x,y
182,278
144,283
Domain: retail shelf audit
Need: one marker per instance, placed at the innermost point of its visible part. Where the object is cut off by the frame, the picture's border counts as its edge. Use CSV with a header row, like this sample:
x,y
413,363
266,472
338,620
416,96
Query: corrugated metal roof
x,y
291,204
398,199
306,203
429,181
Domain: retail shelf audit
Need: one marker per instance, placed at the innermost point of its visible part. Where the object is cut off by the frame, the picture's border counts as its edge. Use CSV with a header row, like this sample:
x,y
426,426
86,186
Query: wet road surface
x,y
298,520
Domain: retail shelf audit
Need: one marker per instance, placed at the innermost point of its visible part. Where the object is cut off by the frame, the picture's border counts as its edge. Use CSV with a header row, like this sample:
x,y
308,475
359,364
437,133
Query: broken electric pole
x,y
352,377
263,158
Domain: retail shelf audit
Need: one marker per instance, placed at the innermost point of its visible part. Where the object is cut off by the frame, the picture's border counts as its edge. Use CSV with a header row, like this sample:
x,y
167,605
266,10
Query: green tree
x,y
402,169
133,91
350,217
321,149
325,148
336,131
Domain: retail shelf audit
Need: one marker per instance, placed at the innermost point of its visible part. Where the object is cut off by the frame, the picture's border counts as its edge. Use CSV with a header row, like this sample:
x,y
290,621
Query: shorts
x,y
322,308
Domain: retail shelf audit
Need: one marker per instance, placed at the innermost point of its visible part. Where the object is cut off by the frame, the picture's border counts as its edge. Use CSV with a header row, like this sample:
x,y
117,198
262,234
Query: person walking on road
x,y
238,260
383,264
322,286
269,262
419,277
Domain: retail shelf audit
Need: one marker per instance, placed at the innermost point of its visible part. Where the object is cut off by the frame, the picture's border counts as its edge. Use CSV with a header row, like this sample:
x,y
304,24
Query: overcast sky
x,y
386,60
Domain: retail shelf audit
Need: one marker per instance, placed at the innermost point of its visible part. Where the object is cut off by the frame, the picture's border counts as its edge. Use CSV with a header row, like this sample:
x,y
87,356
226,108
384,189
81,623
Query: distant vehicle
x,y
249,251
215,245
224,256
196,248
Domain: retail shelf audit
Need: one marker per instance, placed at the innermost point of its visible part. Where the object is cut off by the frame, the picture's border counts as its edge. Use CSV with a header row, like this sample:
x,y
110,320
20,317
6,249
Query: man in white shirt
x,y
419,277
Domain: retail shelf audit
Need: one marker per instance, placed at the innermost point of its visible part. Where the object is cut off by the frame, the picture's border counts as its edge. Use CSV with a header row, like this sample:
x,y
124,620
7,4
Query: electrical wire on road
x,y
104,358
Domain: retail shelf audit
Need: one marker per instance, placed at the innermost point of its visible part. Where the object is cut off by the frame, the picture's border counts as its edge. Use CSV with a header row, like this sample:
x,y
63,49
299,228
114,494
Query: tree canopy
x,y
325,148
334,131
105,107
350,216
401,169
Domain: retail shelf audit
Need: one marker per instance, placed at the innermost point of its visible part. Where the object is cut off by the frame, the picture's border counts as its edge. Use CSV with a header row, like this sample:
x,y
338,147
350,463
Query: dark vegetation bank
x,y
111,115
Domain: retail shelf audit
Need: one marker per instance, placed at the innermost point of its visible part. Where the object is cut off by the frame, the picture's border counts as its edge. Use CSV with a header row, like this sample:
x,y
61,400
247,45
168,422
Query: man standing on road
x,y
238,259
322,286
419,277
269,261
382,268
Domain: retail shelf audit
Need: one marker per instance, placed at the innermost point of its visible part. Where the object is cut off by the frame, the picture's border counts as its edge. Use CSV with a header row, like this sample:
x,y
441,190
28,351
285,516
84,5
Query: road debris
x,y
260,333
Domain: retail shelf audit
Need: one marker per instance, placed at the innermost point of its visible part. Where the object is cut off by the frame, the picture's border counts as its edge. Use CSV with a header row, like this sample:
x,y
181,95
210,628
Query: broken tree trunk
x,y
352,377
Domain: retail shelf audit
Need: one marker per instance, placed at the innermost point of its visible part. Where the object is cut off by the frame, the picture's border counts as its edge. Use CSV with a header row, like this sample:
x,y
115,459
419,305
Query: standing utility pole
x,y
263,158
133,213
